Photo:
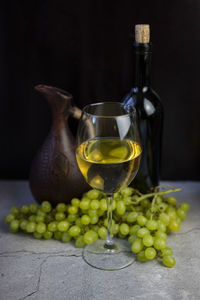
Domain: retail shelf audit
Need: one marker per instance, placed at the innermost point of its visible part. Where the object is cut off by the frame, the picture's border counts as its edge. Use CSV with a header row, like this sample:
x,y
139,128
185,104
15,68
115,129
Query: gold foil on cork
x,y
142,33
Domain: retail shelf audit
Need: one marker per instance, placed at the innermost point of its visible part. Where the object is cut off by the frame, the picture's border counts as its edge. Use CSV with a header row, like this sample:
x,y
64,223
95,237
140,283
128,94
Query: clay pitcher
x,y
54,174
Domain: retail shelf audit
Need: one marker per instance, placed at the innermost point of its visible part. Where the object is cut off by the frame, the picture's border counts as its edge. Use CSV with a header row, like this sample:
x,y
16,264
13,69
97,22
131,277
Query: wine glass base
x,y
97,256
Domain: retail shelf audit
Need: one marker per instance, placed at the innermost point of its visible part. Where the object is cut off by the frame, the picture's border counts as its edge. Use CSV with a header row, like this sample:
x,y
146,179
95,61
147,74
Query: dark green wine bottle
x,y
150,112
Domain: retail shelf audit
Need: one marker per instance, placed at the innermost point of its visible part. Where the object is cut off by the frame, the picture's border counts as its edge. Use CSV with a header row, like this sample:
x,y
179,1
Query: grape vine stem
x,y
155,194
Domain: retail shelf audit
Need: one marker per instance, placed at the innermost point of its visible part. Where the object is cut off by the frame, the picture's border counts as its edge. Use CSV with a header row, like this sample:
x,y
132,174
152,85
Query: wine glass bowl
x,y
108,155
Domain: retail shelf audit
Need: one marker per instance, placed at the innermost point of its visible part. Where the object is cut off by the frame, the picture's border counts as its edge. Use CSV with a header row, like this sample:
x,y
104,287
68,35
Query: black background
x,y
84,47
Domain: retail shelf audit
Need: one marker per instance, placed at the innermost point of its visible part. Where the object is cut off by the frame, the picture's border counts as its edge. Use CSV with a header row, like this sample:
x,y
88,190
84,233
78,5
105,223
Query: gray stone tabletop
x,y
38,269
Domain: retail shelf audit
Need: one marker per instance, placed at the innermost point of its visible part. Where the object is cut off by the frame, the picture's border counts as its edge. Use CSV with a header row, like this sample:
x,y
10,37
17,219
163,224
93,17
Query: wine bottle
x,y
149,109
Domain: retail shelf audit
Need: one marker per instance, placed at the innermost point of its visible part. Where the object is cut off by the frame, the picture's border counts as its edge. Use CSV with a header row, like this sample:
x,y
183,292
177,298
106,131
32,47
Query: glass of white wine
x,y
108,155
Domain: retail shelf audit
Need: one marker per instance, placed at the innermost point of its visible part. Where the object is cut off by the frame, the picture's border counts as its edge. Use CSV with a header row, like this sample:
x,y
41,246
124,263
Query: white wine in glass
x,y
108,155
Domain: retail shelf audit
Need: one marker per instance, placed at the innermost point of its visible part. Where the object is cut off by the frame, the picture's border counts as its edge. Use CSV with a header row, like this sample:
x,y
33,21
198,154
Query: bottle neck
x,y
142,66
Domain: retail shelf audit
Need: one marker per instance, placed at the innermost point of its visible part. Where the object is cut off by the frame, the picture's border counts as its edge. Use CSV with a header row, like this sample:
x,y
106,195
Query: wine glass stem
x,y
109,240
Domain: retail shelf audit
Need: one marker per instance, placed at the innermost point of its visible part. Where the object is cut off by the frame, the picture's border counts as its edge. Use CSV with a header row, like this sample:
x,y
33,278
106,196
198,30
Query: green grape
x,y
14,225
94,204
59,216
148,213
145,203
124,229
31,226
71,218
78,222
142,232
25,209
124,217
85,204
141,220
14,210
38,219
148,240
117,196
41,213
185,206
168,261
102,232
172,215
61,207
170,208
121,236
115,229
159,243
162,207
9,218
73,210
23,224
52,226
113,205
95,235
93,194
92,212
132,238
74,230
95,228
181,213
166,252
172,200
105,222
89,237
58,235
161,234
37,235
47,235
120,208
32,218
131,217
161,226
46,206
137,245
103,204
178,220
141,257
150,253
41,227
86,228
134,229
94,219
75,202
128,202
163,217
80,242
174,225
138,208
100,212
151,224
85,220
48,218
33,208
159,200
65,237
63,226
128,191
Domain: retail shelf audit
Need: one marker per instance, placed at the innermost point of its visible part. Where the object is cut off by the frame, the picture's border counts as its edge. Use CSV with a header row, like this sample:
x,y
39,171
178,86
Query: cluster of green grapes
x,y
145,220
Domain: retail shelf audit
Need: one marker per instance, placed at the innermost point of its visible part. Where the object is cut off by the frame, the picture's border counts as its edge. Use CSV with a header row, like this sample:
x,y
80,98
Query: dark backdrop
x,y
85,47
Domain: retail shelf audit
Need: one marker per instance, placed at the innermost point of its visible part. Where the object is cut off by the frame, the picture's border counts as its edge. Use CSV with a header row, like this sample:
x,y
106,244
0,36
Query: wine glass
x,y
108,155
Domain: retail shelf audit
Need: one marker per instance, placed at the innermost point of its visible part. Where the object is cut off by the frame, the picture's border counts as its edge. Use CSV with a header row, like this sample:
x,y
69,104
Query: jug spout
x,y
59,100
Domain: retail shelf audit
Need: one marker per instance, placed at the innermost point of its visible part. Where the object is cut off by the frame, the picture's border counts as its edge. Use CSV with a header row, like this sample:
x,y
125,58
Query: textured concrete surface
x,y
33,269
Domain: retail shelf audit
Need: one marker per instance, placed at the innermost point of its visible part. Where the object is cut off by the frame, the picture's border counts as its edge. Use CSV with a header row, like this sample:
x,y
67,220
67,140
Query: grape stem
x,y
155,194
